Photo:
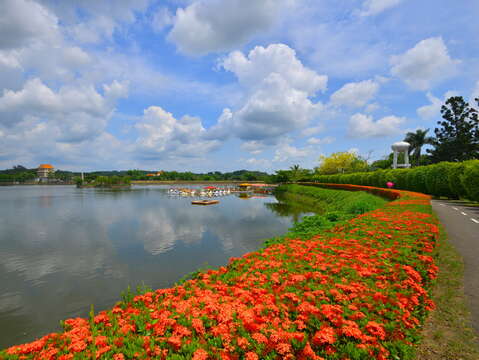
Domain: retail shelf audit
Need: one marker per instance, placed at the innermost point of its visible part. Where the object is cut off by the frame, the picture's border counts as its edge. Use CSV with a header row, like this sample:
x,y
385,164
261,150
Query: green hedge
x,y
452,180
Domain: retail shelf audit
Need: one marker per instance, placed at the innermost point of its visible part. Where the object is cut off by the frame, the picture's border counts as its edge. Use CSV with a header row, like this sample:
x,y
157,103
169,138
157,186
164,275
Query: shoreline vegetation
x,y
454,180
113,182
359,290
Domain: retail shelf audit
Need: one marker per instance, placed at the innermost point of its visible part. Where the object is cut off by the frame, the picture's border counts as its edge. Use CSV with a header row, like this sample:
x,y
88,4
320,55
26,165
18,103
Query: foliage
x,y
454,180
470,179
437,182
454,172
78,181
417,140
382,164
326,200
17,173
294,174
341,162
18,177
457,138
358,291
240,175
297,173
106,181
21,174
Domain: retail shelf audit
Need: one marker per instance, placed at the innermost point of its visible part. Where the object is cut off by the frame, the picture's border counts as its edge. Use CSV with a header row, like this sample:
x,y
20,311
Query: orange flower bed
x,y
358,291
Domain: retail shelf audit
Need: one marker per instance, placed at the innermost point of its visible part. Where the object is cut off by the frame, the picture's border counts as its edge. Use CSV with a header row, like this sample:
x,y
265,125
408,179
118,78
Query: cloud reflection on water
x,y
56,254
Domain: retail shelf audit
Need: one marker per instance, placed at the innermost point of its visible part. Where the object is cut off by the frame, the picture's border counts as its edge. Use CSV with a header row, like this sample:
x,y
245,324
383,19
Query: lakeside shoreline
x,y
414,207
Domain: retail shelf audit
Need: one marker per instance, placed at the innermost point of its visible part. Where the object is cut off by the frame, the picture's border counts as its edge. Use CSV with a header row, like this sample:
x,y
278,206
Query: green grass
x,y
322,200
332,207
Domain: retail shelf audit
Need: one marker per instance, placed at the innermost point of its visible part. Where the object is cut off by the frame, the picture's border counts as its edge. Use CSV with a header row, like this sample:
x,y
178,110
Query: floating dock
x,y
205,202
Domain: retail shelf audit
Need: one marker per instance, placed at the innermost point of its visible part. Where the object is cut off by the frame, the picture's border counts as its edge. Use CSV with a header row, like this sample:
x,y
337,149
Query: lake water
x,y
63,249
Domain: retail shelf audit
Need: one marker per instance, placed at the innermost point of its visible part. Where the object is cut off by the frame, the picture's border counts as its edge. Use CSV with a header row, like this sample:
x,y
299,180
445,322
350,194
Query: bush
x,y
470,180
417,180
437,182
453,180
402,177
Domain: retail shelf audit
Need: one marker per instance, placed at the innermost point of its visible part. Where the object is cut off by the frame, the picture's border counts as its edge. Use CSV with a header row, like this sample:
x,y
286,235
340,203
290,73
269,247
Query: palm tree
x,y
295,170
417,141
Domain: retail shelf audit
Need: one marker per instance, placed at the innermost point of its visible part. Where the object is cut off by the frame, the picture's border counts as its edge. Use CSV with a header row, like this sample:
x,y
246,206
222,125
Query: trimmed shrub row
x,y
452,180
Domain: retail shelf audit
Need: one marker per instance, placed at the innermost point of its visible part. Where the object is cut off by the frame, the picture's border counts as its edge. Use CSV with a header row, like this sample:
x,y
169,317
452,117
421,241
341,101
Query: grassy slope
x,y
327,200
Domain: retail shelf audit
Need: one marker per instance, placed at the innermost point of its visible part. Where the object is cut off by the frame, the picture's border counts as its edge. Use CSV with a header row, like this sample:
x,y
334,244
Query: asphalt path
x,y
462,226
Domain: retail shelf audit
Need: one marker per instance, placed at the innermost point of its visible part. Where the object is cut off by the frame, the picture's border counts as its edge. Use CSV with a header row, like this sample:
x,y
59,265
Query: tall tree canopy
x,y
417,141
341,162
457,138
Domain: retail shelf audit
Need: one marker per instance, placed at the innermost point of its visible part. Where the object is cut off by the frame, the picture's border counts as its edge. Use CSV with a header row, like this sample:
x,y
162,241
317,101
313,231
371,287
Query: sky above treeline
x,y
204,85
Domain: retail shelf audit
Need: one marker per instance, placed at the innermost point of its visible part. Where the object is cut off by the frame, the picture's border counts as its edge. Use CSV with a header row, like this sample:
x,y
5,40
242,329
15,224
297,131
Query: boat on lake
x,y
204,202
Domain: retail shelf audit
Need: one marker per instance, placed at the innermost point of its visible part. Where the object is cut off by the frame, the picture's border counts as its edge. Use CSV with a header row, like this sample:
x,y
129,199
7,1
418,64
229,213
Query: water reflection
x,y
63,249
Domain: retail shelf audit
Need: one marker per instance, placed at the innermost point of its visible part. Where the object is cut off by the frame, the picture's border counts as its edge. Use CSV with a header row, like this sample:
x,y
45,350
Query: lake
x,y
63,249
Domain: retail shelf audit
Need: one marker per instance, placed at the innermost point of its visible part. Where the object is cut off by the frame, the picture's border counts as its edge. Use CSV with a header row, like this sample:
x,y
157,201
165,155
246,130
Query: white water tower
x,y
398,147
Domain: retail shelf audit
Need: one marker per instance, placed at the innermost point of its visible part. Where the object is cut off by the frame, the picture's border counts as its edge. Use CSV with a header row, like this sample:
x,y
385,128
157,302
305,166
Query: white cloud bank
x,y
73,113
425,65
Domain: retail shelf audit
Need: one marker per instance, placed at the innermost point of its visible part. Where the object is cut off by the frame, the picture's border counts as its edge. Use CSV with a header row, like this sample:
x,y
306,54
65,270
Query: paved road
x,y
462,225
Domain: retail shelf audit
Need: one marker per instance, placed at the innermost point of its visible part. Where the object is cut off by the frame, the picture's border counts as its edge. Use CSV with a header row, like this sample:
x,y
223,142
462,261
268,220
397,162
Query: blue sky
x,y
203,85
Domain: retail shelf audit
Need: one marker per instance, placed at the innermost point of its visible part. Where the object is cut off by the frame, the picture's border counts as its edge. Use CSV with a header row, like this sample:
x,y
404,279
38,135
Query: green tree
x,y
457,138
282,176
295,172
341,162
135,174
417,141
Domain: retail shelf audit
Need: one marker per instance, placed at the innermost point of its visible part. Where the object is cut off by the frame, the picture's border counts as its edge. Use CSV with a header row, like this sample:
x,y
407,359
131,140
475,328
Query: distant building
x,y
159,173
44,170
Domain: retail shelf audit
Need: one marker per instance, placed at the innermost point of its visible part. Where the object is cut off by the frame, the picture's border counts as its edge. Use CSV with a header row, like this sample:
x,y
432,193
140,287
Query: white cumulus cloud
x,y
356,94
162,136
426,64
278,90
361,125
72,114
261,62
216,25
287,152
